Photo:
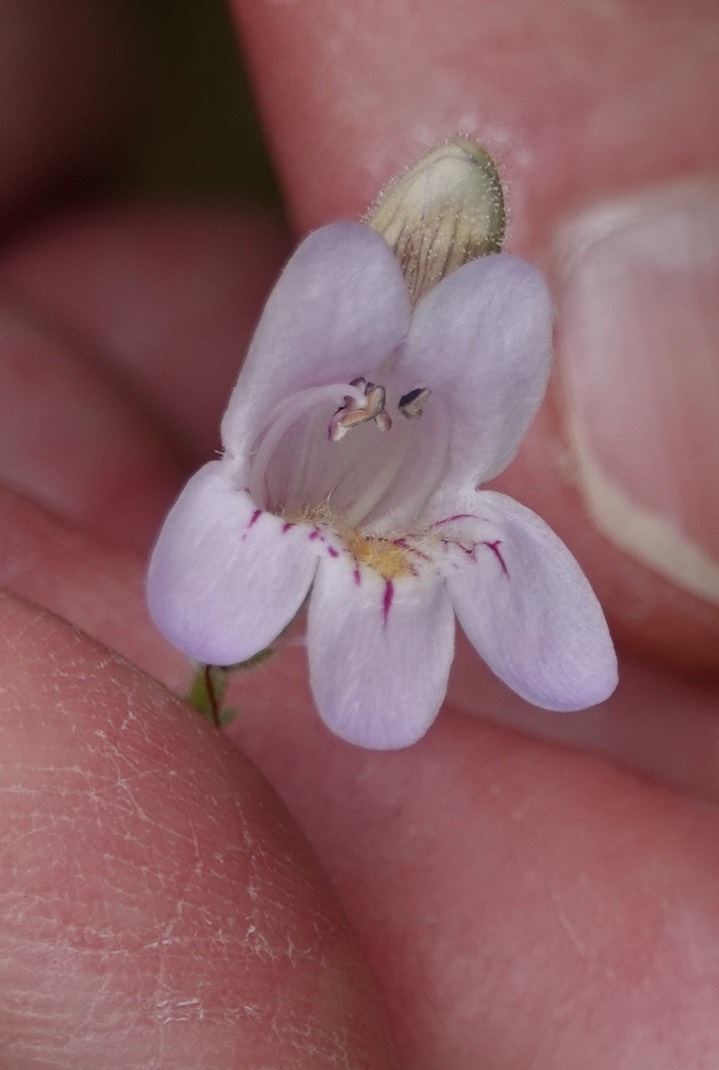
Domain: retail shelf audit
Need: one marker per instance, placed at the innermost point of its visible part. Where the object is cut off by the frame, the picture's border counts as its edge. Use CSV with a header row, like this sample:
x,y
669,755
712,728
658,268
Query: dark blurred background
x,y
198,132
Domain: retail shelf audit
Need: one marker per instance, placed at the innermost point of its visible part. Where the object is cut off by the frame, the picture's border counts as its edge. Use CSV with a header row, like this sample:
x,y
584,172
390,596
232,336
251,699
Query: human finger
x,y
135,321
159,904
606,140
518,899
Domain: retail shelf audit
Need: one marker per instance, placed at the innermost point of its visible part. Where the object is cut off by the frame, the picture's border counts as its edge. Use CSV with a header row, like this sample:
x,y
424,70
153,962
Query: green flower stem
x,y
209,684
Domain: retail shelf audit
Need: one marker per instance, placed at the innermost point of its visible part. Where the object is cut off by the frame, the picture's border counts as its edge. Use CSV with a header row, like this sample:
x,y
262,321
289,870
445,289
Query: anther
x,y
412,403
353,412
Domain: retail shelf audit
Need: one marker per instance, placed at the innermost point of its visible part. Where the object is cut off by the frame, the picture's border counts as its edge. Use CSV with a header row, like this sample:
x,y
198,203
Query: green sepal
x,y
209,684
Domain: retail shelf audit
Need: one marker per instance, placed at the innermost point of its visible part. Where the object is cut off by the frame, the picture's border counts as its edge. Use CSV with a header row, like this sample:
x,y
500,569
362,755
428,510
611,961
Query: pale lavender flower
x,y
354,441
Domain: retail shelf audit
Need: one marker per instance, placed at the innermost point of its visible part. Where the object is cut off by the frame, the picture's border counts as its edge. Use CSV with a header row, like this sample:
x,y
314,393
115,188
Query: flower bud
x,y
446,210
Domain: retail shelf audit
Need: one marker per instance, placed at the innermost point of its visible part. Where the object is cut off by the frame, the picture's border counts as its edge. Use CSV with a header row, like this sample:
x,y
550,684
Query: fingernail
x,y
638,319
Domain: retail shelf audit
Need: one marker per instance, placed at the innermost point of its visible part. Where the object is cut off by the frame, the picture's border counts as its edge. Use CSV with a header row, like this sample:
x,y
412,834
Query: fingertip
x,y
649,614
148,852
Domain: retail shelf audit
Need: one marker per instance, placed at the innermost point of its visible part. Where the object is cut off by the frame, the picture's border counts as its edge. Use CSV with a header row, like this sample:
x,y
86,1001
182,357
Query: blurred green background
x,y
199,133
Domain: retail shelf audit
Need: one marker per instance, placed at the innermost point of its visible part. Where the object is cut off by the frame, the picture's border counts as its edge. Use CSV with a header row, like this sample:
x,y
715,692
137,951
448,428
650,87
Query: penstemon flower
x,y
354,442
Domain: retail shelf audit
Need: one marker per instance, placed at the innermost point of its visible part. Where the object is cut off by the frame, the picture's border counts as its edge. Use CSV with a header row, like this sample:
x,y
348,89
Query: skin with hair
x,y
519,888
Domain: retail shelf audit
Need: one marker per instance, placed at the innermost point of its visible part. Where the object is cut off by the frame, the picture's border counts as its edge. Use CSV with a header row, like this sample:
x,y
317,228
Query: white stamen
x,y
386,474
416,493
282,417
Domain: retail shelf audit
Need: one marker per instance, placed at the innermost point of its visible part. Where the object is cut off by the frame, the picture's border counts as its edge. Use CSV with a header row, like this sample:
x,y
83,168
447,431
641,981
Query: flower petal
x,y
527,607
481,339
226,578
379,652
338,309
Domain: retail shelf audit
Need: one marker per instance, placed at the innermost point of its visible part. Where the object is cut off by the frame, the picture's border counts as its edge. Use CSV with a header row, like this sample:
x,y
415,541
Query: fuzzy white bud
x,y
444,211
